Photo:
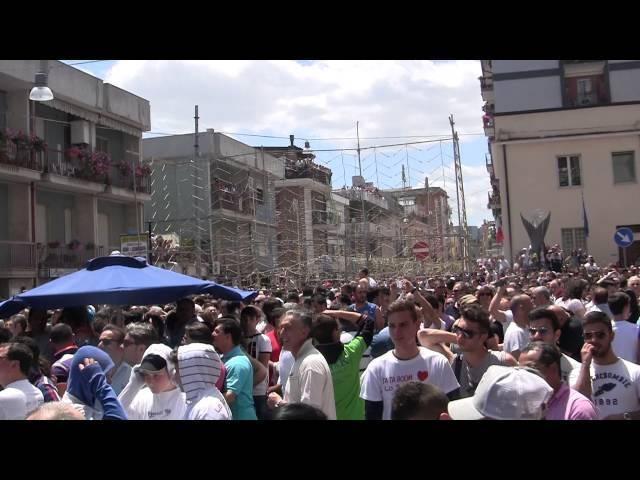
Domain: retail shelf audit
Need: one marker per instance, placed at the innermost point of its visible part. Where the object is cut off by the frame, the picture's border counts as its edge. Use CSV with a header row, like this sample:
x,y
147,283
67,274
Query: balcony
x,y
90,167
306,168
17,257
489,163
494,201
486,89
369,196
54,255
489,126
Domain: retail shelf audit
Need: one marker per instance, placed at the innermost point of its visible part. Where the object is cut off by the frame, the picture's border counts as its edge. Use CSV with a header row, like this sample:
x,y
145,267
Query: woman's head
x,y
249,318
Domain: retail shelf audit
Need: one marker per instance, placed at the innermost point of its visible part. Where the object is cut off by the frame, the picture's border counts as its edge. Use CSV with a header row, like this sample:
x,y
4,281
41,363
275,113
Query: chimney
x,y
291,139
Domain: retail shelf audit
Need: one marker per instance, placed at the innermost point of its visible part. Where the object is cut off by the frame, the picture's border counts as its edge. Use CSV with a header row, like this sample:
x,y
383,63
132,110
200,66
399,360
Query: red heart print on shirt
x,y
423,375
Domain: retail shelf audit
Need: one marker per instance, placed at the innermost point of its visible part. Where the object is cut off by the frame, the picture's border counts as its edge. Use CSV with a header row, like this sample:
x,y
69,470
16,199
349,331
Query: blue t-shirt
x,y
368,308
239,380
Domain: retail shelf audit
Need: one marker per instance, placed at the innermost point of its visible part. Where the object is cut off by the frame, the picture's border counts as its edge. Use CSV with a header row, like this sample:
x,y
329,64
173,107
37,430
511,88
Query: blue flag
x,y
585,219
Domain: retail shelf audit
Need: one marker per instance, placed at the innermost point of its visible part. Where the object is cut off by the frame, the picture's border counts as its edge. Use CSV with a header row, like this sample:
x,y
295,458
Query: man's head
x,y
61,336
472,328
598,332
521,305
600,295
56,411
505,393
17,324
157,369
318,303
363,273
545,358
460,289
111,341
37,320
403,323
634,284
544,326
293,297
295,329
185,310
227,334
16,360
556,288
197,332
361,293
419,401
541,296
484,294
325,330
138,337
299,411
620,305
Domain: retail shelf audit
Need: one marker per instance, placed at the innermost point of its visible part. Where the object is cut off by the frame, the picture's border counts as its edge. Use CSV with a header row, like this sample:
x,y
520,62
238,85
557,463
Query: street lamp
x,y
41,92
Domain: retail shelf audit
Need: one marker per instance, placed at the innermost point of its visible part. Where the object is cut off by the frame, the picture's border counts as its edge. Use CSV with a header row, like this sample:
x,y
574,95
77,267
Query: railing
x,y
307,169
10,154
64,257
20,255
56,162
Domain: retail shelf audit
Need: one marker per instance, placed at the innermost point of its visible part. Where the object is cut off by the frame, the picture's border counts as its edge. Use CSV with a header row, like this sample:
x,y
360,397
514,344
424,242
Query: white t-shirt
x,y
285,364
567,366
146,405
13,404
515,338
256,345
615,388
209,405
386,373
625,341
33,394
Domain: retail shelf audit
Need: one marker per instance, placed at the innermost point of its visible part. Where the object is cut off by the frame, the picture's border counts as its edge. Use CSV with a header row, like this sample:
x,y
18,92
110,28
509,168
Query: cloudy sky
x,y
321,101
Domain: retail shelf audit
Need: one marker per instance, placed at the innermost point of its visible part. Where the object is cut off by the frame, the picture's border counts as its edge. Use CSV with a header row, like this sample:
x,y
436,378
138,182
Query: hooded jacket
x,y
199,368
87,388
142,404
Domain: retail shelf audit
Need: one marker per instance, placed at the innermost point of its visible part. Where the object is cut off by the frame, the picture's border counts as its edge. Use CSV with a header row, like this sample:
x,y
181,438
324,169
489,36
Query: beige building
x,y
68,188
559,130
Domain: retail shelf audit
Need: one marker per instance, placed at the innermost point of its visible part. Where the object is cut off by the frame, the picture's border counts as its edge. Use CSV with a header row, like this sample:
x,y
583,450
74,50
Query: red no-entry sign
x,y
421,250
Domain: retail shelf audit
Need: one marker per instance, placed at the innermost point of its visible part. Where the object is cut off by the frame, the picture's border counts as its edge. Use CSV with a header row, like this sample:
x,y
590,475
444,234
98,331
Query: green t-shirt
x,y
345,374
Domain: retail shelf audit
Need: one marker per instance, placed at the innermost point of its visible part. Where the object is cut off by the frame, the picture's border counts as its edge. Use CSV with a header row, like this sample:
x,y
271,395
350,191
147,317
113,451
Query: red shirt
x,y
275,346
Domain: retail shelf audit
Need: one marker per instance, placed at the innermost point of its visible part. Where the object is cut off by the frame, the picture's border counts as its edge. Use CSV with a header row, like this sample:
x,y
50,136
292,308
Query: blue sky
x,y
324,99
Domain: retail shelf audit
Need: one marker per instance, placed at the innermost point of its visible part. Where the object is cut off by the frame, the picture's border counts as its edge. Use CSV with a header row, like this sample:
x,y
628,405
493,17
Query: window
x,y
569,171
585,94
102,145
624,167
573,239
260,196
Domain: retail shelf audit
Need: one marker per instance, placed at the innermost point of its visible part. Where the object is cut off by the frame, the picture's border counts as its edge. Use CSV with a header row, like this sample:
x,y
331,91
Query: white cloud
x,y
322,99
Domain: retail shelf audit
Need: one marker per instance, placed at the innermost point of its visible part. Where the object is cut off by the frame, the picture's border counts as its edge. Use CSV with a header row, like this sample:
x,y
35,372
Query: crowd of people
x,y
498,343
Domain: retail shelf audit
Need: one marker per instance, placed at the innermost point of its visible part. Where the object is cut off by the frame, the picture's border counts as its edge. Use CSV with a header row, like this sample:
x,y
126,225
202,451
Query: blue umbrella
x,y
118,280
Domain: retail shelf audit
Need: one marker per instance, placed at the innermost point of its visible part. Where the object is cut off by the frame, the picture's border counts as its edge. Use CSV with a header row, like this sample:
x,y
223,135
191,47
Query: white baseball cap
x,y
505,393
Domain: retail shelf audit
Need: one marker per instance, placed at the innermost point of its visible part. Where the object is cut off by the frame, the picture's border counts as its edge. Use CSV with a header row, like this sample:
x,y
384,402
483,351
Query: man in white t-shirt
x,y
406,362
15,364
516,336
625,339
161,399
612,384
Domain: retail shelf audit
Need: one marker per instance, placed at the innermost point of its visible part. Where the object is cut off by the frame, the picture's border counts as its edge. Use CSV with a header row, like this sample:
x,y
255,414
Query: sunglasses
x,y
541,330
591,335
106,342
464,332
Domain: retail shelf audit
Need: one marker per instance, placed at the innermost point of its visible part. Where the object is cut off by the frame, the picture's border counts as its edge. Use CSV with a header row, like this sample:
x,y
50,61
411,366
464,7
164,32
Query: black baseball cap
x,y
152,363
